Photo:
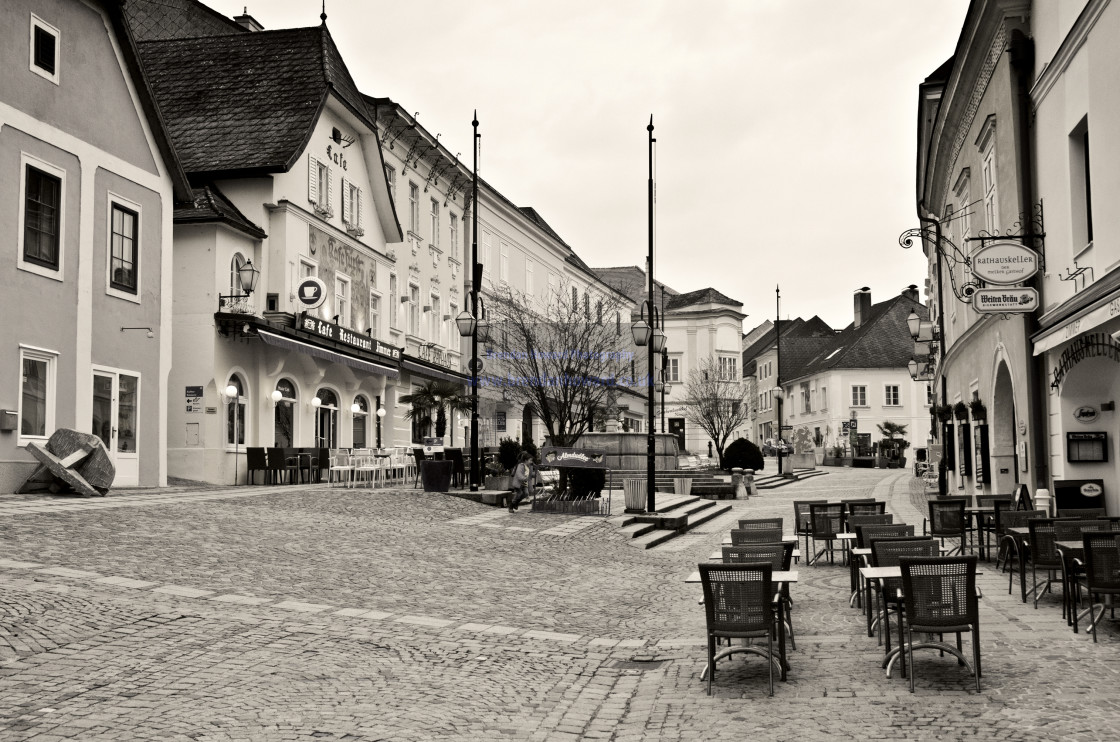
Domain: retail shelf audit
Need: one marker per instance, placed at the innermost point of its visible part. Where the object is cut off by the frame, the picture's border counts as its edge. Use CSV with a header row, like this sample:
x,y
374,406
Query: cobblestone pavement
x,y
308,612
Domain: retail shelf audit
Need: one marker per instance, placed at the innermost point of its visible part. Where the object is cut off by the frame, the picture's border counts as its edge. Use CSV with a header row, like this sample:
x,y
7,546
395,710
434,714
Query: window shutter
x,y
345,203
358,208
312,180
330,190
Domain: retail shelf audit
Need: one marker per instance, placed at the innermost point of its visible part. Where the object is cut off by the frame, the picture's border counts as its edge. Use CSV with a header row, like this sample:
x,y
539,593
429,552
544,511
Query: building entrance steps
x,y
675,515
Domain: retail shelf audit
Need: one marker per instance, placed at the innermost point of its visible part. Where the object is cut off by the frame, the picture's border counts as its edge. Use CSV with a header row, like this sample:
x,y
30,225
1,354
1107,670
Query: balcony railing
x,y
236,304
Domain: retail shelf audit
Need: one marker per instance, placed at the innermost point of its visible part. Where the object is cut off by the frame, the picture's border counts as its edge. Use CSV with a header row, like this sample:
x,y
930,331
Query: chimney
x,y
911,292
862,304
247,21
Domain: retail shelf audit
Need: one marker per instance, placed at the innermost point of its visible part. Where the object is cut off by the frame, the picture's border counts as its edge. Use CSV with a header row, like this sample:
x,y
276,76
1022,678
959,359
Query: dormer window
x,y
44,49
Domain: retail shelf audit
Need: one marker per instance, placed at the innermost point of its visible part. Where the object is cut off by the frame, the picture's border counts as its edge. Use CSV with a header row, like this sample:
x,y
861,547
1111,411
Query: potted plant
x,y
501,468
979,411
944,412
960,411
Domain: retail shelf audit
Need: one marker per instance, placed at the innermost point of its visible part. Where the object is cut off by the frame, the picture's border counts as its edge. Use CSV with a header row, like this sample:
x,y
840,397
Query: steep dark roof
x,y
700,296
882,341
153,20
942,73
247,102
802,340
631,281
211,206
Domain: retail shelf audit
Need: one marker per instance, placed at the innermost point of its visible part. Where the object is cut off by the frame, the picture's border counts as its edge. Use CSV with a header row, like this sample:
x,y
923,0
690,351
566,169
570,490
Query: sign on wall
x,y
311,293
1004,263
194,400
1020,300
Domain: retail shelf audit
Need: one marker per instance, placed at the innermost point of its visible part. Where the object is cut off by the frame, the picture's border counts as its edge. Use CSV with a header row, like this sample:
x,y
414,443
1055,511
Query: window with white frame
x,y
453,228
42,218
1081,191
891,395
37,393
375,314
342,298
503,262
575,298
487,241
673,370
553,286
235,413
435,222
806,400
529,268
124,251
391,178
859,396
452,329
991,198
435,321
319,186
394,302
413,208
824,398
235,265
727,367
44,49
413,309
351,205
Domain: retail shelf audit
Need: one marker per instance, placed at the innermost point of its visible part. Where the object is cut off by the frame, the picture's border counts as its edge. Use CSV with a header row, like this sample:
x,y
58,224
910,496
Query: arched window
x,y
284,427
326,419
235,287
360,410
235,412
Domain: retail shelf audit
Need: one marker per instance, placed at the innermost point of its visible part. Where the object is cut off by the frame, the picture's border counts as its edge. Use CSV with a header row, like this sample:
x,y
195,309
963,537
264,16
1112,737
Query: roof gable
x,y
882,341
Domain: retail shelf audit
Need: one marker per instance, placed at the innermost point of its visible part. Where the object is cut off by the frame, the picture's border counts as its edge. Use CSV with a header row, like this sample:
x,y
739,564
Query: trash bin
x,y
634,491
682,486
435,475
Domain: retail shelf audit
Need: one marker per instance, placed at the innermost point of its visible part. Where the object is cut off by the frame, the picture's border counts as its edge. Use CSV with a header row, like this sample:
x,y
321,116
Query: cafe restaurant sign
x,y
331,331
1004,263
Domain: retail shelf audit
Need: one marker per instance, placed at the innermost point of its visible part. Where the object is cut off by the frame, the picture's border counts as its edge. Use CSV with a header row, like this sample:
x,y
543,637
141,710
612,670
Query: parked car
x,y
770,448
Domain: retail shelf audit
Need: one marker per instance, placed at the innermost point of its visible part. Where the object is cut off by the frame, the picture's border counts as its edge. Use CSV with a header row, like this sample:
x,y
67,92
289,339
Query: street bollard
x,y
748,480
738,485
1042,501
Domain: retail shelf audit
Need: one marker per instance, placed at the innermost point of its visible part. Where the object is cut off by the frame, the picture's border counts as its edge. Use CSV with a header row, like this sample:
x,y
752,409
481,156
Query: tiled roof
x,y
248,101
152,20
700,296
210,205
631,281
883,341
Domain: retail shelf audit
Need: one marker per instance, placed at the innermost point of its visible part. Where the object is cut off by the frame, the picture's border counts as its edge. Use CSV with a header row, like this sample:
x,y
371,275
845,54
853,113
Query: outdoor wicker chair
x,y
939,595
741,536
756,523
947,520
1043,556
864,534
1012,545
853,509
740,603
855,521
279,464
825,523
886,552
256,460
802,526
1083,513
1100,575
780,557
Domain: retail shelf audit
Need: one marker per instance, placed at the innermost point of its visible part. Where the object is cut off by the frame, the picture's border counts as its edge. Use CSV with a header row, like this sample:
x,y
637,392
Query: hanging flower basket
x,y
979,411
960,411
944,412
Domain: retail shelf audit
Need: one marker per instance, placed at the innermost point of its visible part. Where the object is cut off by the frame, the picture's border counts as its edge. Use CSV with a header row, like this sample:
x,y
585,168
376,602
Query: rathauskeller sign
x,y
1004,263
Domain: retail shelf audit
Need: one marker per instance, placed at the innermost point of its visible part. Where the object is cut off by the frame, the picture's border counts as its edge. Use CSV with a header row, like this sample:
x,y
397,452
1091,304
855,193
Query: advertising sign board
x,y
311,292
1019,300
1004,263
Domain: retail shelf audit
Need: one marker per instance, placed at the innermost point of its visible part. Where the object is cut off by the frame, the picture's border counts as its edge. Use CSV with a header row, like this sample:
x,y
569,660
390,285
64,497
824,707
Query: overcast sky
x,y
785,129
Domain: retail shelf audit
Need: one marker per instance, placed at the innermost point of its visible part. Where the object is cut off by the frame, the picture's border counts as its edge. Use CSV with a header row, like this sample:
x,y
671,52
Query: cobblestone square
x,y
310,612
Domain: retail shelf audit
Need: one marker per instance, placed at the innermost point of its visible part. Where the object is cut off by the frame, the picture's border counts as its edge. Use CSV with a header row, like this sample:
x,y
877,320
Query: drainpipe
x,y
1021,51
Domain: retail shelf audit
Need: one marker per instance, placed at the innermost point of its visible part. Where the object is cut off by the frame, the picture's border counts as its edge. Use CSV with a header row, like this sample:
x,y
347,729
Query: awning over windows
x,y
418,368
328,355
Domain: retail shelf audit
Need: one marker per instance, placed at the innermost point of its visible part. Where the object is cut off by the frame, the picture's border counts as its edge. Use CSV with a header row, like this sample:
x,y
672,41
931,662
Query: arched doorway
x,y
284,398
326,419
1003,456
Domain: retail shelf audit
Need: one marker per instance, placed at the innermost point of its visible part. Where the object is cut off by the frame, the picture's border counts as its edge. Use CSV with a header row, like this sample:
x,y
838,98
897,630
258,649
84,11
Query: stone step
x,y
694,518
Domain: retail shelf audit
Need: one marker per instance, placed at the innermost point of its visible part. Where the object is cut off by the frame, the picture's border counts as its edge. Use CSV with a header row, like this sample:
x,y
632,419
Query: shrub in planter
x,y
979,411
960,411
944,412
508,452
742,454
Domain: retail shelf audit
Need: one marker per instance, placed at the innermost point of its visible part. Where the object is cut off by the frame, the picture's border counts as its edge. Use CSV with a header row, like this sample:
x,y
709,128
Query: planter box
x,y
574,507
435,476
503,483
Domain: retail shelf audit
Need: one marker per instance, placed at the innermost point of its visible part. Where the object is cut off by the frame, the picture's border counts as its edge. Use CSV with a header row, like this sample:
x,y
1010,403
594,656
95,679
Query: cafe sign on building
x,y
1004,263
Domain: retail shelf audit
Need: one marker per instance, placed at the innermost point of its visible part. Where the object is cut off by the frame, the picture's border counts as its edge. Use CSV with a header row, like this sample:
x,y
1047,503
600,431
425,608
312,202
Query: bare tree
x,y
715,401
566,357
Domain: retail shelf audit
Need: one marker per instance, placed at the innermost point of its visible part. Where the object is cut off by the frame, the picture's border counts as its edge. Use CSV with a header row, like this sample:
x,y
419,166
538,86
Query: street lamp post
x,y
778,369
470,323
655,344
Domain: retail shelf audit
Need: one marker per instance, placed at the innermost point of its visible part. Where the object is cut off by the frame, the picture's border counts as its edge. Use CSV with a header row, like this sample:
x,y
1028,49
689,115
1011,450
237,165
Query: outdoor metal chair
x,y
741,536
780,557
340,468
417,457
825,524
1011,545
886,552
855,521
865,508
740,603
947,520
280,464
802,526
939,595
864,534
1100,576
